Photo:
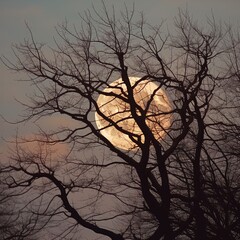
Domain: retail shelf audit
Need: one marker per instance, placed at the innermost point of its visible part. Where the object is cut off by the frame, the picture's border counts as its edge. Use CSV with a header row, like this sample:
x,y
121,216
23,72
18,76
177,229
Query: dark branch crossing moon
x,y
148,96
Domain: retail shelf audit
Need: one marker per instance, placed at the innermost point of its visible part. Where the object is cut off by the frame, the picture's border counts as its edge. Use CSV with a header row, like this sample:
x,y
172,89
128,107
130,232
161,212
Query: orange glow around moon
x,y
158,117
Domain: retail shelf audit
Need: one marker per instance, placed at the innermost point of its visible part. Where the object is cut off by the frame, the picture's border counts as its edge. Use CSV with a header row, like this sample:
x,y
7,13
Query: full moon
x,y
148,96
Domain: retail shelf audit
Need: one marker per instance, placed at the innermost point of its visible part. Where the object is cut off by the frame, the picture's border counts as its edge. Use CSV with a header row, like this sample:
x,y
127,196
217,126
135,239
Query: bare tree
x,y
14,222
184,185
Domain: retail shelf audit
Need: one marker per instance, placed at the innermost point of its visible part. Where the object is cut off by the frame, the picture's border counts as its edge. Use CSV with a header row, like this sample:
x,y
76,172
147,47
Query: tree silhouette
x,y
14,225
184,185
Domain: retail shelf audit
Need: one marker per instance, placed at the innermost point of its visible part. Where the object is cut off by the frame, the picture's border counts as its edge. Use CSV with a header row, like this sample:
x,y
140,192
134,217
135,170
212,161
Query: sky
x,y
43,16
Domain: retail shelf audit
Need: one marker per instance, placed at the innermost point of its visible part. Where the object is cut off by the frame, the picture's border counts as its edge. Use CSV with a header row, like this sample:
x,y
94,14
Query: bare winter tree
x,y
13,225
184,185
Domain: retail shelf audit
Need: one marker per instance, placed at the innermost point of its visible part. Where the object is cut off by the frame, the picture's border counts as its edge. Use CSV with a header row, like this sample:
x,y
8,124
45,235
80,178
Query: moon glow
x,y
148,96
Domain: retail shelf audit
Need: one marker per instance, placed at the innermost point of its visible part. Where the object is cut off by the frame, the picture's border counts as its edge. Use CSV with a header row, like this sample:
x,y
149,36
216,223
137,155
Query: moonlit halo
x,y
158,117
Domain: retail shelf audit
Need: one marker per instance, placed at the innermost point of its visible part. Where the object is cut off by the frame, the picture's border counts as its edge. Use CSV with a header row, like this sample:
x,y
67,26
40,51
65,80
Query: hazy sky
x,y
43,15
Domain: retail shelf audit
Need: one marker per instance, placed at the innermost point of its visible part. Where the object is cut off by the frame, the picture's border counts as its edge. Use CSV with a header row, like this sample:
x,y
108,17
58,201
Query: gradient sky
x,y
43,15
